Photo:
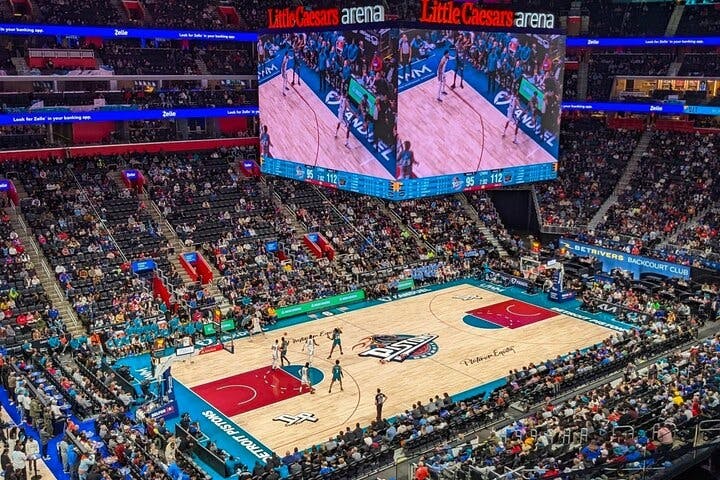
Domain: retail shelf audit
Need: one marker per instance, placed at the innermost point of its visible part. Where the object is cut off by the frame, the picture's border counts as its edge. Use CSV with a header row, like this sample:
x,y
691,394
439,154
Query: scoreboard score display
x,y
399,110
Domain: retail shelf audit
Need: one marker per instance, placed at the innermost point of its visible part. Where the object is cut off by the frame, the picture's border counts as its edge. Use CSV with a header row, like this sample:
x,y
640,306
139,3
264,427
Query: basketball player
x,y
309,348
342,120
261,56
265,142
305,378
336,341
406,160
275,354
460,48
405,54
512,117
283,351
441,75
298,48
337,375
365,114
283,71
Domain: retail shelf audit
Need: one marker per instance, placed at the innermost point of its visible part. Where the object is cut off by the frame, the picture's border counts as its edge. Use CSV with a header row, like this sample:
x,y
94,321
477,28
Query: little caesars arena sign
x,y
298,17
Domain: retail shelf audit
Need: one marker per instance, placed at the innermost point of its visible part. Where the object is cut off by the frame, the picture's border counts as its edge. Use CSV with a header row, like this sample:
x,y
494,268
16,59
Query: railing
x,y
60,53
69,312
345,219
97,214
707,432
562,230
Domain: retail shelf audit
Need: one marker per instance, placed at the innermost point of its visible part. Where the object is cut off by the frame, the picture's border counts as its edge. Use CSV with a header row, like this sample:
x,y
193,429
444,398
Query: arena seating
x,y
593,156
699,20
703,64
672,186
25,310
90,235
604,66
139,98
126,57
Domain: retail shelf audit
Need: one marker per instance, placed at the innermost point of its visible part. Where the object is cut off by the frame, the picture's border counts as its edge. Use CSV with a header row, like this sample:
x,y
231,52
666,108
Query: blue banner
x,y
665,108
140,266
125,115
611,42
634,264
122,32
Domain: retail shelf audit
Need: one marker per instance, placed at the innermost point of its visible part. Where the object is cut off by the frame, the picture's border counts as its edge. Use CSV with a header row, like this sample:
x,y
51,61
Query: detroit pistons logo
x,y
397,348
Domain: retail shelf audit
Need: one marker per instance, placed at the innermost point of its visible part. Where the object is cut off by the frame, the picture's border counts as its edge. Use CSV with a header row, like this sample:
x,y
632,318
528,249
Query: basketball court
x,y
452,340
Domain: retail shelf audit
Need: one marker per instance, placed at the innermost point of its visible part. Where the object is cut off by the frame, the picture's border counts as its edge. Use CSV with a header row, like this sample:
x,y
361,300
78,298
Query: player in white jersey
x,y
441,74
512,116
275,354
305,377
309,348
283,71
342,119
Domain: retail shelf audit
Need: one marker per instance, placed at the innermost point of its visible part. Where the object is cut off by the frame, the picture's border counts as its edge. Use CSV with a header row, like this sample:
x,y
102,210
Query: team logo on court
x,y
295,419
398,348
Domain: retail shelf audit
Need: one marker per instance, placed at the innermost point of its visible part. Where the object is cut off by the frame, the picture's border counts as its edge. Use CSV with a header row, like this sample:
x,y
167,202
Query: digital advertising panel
x,y
468,98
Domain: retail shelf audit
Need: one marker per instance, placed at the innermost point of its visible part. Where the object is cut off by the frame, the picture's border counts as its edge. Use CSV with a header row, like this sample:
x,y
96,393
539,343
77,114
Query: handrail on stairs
x,y
50,276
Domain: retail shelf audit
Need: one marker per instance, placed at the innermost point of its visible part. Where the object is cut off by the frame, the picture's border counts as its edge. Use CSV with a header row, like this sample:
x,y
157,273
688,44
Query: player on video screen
x,y
405,54
283,71
462,45
342,119
365,114
265,142
512,116
441,75
298,49
261,56
406,160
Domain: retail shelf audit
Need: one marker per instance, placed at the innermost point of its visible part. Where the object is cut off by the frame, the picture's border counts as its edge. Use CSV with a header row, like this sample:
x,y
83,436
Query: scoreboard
x,y
410,188
372,110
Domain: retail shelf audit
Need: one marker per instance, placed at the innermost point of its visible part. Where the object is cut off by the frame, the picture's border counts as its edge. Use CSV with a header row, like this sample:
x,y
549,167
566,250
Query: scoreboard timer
x,y
409,188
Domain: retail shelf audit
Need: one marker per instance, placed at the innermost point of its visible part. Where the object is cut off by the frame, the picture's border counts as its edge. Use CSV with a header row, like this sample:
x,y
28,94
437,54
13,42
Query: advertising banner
x,y
112,32
634,264
406,284
321,304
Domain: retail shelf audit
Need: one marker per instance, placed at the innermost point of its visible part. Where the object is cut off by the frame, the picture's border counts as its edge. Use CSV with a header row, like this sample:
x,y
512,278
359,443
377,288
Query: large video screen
x,y
329,99
408,112
472,101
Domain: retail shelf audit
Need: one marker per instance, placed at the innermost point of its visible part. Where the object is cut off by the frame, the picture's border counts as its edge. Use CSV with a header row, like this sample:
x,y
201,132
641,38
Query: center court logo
x,y
398,348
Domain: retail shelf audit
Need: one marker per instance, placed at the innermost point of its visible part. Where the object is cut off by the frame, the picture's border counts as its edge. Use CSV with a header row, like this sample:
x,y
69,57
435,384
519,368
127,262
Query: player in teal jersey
x,y
337,375
336,342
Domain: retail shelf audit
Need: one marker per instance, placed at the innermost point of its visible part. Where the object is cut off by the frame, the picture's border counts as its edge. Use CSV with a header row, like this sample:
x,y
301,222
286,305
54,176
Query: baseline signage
x,y
300,17
471,14
110,32
634,264
323,303
616,310
506,280
125,115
